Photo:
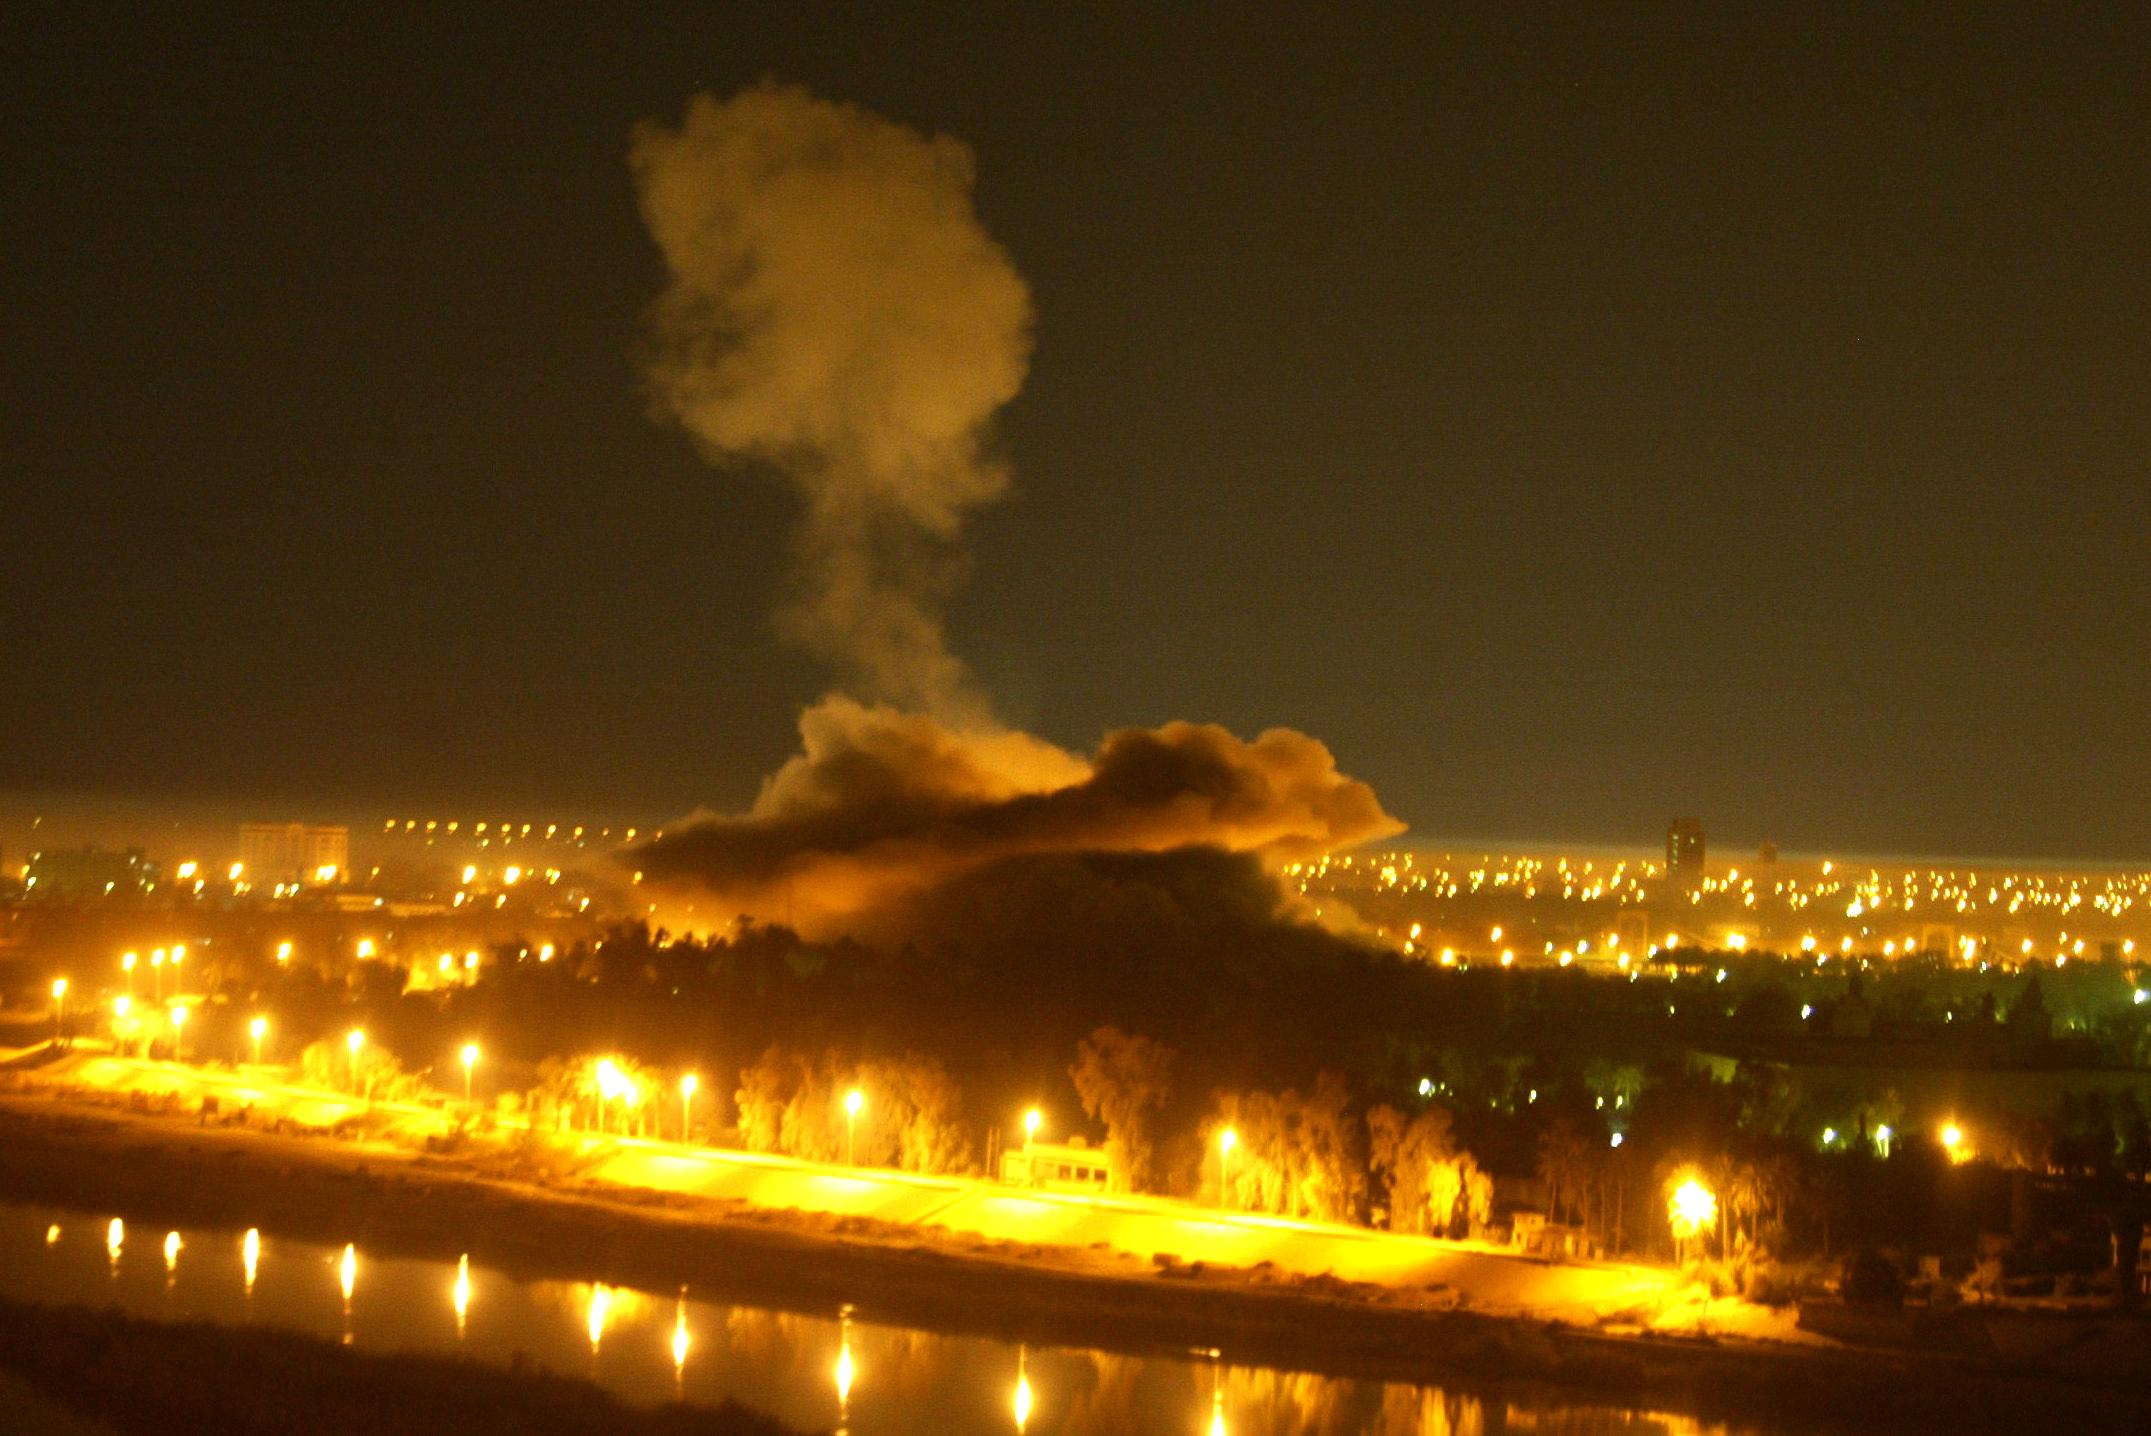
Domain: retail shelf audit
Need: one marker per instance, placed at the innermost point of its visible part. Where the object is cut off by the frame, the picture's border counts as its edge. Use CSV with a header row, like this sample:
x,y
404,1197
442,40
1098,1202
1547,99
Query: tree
x,y
1434,1186
761,1097
1333,1165
923,1107
1122,1080
1564,1168
379,1076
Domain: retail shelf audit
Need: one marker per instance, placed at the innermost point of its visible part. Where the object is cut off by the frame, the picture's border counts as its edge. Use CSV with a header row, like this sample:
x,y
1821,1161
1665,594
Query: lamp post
x,y
688,1084
156,968
59,1009
1226,1141
1031,1119
1693,1210
611,1084
179,1032
127,962
470,1061
853,1101
353,1041
258,1029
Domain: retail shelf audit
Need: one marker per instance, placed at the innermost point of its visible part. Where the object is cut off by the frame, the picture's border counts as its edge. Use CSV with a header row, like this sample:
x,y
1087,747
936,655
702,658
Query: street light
x,y
688,1086
59,1008
1953,1143
1692,1210
179,1032
156,967
1226,1141
1031,1119
283,952
853,1101
127,962
611,1084
470,1060
258,1029
353,1041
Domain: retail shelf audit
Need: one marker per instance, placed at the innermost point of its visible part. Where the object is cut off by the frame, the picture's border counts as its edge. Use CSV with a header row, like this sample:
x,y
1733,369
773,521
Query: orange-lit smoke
x,y
837,314
881,804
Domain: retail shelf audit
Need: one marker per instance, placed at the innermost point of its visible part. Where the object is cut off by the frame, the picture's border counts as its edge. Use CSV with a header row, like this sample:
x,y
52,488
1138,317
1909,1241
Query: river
x,y
816,1371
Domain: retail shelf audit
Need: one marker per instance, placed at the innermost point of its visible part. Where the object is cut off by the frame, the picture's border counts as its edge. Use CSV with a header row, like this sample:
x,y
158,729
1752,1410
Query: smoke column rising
x,y
837,314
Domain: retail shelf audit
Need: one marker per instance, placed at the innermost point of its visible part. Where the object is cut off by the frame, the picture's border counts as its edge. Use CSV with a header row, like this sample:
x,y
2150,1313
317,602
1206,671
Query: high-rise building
x,y
1684,854
294,852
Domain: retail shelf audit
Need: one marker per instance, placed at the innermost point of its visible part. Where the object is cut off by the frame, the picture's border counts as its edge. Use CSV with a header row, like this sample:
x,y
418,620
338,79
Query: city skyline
x,y
1566,429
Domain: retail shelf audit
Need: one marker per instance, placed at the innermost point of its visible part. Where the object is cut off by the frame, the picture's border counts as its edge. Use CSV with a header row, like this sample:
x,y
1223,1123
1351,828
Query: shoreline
x,y
94,1159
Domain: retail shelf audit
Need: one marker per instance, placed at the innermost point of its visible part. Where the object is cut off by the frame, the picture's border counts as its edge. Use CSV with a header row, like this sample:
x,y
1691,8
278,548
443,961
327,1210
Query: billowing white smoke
x,y
837,314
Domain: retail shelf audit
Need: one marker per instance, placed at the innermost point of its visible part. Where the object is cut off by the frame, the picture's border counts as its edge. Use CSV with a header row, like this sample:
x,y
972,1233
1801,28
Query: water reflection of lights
x,y
115,1238
680,1342
600,1308
1023,1389
461,1293
347,1278
844,1369
1088,1391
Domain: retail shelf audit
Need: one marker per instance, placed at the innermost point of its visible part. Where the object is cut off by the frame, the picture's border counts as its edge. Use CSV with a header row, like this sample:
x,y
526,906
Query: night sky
x,y
1574,423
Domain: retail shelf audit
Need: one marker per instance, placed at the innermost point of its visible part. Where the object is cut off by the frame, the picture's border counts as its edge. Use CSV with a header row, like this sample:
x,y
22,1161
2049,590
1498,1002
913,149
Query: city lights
x,y
469,1056
1693,1209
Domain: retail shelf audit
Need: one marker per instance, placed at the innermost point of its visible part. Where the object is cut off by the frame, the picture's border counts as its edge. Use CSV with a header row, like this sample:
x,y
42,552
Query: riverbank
x,y
102,1372
170,1171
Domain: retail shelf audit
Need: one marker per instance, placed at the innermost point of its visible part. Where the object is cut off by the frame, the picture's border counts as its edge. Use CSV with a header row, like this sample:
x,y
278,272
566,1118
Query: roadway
x,y
1489,1278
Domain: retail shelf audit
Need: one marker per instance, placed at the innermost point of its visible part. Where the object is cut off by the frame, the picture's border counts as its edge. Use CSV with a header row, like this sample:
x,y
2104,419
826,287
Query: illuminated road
x,y
1489,1278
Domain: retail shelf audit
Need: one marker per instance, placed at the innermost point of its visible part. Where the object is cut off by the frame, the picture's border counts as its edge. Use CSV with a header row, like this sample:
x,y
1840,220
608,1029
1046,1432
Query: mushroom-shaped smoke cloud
x,y
882,804
836,314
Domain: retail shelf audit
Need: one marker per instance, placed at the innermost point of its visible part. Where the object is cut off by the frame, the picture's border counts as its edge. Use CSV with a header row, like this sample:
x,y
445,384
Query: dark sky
x,y
1573,423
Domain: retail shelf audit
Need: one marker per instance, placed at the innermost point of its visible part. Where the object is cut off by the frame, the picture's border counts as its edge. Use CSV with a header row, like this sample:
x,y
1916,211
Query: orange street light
x,y
1692,1209
853,1101
258,1029
470,1061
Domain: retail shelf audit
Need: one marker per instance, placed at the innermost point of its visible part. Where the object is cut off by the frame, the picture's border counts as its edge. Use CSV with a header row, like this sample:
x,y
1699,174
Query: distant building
x,y
294,852
1070,1167
1684,854
88,873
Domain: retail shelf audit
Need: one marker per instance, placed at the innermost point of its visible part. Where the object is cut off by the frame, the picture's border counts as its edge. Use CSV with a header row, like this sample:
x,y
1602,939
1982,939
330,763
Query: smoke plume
x,y
837,314
881,804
